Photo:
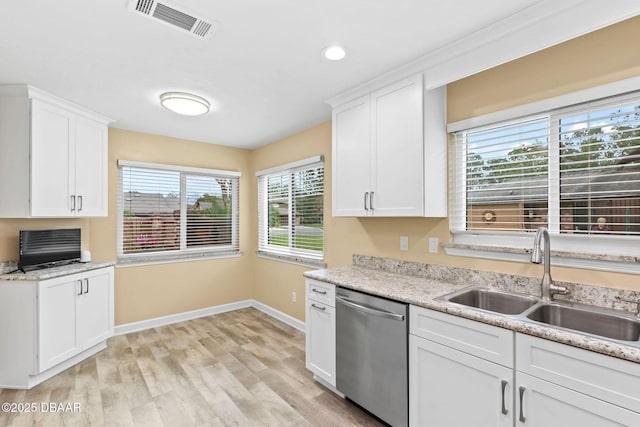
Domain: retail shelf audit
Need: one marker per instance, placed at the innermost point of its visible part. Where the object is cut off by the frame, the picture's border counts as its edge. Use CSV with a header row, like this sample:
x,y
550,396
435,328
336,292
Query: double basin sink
x,y
600,322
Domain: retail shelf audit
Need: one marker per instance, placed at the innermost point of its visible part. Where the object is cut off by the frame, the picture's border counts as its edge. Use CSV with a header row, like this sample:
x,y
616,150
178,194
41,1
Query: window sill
x,y
602,262
147,259
291,259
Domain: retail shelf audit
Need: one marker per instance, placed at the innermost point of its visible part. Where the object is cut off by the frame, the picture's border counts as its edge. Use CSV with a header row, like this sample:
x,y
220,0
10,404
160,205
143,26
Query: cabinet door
x,y
57,320
321,340
95,309
91,167
351,158
544,404
397,149
52,160
450,388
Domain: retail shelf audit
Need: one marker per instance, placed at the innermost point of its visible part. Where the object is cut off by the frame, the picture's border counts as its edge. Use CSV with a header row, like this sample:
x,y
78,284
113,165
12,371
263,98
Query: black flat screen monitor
x,y
48,248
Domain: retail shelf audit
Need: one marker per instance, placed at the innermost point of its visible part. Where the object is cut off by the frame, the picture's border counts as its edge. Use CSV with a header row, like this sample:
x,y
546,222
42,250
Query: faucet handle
x,y
559,289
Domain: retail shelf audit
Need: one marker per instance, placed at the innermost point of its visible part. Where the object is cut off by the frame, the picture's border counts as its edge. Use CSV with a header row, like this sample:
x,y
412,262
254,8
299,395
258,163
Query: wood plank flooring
x,y
241,368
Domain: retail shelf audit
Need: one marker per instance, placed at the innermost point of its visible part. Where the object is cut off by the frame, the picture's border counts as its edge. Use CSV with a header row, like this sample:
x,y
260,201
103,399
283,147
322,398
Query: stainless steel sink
x,y
493,300
590,320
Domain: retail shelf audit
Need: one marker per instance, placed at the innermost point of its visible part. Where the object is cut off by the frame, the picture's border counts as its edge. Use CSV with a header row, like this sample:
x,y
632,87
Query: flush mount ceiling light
x,y
184,103
334,53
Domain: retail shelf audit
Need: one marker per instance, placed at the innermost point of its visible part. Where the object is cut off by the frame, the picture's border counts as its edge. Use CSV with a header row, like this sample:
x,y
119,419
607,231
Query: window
x,y
291,210
574,170
170,210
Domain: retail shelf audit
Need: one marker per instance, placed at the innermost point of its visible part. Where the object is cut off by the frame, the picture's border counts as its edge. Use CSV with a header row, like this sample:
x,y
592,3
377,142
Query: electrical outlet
x,y
404,243
433,245
294,297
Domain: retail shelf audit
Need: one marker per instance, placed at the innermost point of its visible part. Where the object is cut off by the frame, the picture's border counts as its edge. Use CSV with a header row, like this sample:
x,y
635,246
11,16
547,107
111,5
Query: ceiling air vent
x,y
176,16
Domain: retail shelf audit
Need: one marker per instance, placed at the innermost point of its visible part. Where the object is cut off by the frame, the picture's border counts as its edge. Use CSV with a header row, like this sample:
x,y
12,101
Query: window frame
x,y
515,245
305,257
184,253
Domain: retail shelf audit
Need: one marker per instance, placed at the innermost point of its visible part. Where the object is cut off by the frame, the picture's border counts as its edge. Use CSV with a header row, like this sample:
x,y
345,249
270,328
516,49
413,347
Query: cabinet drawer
x,y
614,380
479,339
322,292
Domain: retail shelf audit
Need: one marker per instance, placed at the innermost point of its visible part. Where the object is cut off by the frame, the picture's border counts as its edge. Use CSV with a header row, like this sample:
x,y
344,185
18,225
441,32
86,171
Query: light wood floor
x,y
241,368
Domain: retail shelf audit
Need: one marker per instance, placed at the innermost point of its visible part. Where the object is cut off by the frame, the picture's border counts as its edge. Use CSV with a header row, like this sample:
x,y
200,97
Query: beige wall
x,y
151,291
145,292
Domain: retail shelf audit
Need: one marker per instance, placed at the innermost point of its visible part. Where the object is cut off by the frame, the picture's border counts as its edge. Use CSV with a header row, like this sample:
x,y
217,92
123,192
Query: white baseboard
x,y
277,314
209,311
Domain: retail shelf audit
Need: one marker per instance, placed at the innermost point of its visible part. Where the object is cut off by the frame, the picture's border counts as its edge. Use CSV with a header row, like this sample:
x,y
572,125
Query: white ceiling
x,y
262,69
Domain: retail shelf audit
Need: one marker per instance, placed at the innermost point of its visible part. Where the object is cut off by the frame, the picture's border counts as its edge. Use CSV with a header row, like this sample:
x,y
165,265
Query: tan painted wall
x,y
145,292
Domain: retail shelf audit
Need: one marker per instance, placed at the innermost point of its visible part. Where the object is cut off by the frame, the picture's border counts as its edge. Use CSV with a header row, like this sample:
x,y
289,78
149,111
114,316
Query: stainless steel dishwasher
x,y
372,354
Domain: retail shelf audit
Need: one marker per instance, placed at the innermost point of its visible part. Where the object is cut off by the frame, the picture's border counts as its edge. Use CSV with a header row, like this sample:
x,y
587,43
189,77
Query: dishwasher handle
x,y
369,310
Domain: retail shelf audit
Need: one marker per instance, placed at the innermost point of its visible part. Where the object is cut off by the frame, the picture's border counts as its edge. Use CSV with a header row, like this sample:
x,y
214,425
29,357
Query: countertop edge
x,y
52,273
342,276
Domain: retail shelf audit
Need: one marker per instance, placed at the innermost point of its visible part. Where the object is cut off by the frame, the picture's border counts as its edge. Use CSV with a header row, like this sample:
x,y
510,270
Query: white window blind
x,y
291,210
174,211
574,170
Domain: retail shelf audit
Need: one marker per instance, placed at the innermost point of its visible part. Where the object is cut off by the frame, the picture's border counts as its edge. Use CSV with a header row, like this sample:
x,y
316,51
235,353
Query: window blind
x,y
291,210
574,170
164,210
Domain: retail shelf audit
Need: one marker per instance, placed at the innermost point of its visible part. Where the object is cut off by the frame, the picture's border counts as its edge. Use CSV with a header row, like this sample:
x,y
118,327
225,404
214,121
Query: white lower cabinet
x,y
558,385
49,325
467,373
454,389
451,386
543,404
321,330
75,313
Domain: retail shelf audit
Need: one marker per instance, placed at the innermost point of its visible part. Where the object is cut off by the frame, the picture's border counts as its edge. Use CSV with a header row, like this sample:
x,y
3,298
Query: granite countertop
x,y
50,273
423,291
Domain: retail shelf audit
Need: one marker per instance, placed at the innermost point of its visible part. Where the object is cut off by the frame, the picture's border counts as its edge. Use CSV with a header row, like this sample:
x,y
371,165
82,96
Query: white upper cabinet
x,y
379,152
53,156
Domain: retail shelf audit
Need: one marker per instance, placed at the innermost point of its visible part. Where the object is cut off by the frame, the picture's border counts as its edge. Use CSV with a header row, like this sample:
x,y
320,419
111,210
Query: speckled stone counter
x,y
421,285
50,273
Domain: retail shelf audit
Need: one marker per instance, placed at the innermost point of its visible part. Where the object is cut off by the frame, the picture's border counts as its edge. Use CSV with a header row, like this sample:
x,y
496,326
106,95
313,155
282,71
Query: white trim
x,y
209,311
34,380
176,168
279,315
546,105
180,317
292,165
124,261
291,259
589,264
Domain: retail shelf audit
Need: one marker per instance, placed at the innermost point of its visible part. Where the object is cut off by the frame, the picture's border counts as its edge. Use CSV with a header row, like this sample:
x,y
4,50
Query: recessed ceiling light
x,y
334,53
184,103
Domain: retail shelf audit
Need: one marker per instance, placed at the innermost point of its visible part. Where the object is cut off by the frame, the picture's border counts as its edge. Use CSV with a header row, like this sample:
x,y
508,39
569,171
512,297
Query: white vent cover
x,y
176,16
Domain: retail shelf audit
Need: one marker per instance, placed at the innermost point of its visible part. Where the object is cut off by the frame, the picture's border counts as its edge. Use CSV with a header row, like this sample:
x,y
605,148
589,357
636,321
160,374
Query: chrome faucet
x,y
547,287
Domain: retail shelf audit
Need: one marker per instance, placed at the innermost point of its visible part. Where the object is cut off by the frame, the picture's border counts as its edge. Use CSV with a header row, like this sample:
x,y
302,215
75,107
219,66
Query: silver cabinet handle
x,y
79,203
87,282
371,200
80,283
73,203
317,307
369,310
505,411
318,292
366,195
522,418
